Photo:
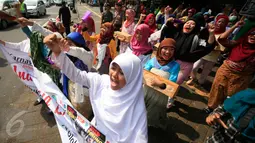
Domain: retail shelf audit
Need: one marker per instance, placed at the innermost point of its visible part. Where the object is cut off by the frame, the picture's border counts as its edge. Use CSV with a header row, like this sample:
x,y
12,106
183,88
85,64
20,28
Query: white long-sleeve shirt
x,y
82,54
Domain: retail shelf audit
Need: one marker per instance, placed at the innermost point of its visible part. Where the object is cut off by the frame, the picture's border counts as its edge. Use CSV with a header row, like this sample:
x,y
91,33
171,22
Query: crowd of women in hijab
x,y
102,73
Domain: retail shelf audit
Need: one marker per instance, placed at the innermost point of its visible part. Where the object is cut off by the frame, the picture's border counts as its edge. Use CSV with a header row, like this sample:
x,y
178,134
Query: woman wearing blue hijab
x,y
82,58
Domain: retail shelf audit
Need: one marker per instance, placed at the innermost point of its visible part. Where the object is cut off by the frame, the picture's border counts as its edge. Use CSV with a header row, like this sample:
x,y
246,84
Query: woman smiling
x,y
117,99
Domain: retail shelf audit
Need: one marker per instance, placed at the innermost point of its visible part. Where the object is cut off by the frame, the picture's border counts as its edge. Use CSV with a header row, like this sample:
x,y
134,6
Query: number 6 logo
x,y
14,121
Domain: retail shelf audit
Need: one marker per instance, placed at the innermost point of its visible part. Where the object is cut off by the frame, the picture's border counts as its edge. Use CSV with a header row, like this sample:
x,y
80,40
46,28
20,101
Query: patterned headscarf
x,y
131,15
108,35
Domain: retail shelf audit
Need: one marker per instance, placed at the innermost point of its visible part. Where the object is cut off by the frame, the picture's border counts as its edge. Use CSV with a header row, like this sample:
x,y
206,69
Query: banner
x,y
73,127
248,9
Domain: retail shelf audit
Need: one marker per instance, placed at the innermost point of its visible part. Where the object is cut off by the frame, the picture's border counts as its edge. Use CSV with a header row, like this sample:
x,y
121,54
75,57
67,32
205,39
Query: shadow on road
x,y
157,135
11,27
189,113
190,95
47,117
3,62
41,17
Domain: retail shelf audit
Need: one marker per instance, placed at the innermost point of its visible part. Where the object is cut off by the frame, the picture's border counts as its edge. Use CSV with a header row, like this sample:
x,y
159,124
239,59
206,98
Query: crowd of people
x,y
102,73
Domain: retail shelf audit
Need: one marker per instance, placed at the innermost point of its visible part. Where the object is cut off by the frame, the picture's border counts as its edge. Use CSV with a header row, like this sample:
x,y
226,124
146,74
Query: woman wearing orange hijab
x,y
106,47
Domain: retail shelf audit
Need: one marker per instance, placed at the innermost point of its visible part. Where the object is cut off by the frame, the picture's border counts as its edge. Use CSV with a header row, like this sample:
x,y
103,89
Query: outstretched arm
x,y
35,27
223,39
21,46
82,54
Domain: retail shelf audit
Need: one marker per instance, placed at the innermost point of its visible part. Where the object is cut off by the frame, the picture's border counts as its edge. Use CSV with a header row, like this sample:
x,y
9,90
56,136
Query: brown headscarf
x,y
108,35
168,42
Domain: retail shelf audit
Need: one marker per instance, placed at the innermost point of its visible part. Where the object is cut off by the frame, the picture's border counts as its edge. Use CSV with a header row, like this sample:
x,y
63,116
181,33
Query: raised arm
x,y
223,39
39,28
35,27
82,54
211,30
27,31
21,46
64,63
226,34
142,17
69,69
168,31
87,37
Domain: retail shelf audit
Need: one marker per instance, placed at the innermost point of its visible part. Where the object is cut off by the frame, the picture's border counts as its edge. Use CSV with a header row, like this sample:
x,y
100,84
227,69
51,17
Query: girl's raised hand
x,y
239,23
64,45
25,22
212,119
2,42
167,9
142,16
53,43
171,19
211,28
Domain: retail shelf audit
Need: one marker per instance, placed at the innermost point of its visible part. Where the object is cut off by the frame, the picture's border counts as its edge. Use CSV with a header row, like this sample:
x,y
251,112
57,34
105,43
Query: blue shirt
x,y
172,68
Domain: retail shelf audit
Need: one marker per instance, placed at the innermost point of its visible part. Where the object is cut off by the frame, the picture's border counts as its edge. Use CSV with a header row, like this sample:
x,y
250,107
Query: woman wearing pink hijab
x,y
127,27
139,43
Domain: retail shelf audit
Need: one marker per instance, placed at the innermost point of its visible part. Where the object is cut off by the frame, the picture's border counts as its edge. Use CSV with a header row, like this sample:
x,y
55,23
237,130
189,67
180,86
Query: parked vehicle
x,y
7,6
47,3
58,2
35,7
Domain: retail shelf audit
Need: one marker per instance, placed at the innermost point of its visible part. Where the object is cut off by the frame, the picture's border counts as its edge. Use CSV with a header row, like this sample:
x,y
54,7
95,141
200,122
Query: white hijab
x,y
123,113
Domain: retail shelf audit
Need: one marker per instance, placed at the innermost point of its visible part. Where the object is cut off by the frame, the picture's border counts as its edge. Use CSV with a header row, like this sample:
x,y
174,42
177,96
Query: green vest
x,y
22,7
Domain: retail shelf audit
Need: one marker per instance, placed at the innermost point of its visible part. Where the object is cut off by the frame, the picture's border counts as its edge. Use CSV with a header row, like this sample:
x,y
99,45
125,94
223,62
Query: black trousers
x,y
101,7
67,27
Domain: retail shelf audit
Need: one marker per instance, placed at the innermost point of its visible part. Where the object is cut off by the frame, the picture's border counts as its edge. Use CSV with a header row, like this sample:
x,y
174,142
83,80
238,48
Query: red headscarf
x,y
192,10
131,14
153,26
108,35
219,31
91,24
143,46
243,51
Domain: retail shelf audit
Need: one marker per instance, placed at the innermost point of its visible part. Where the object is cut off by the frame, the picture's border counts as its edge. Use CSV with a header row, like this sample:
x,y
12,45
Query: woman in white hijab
x,y
117,99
